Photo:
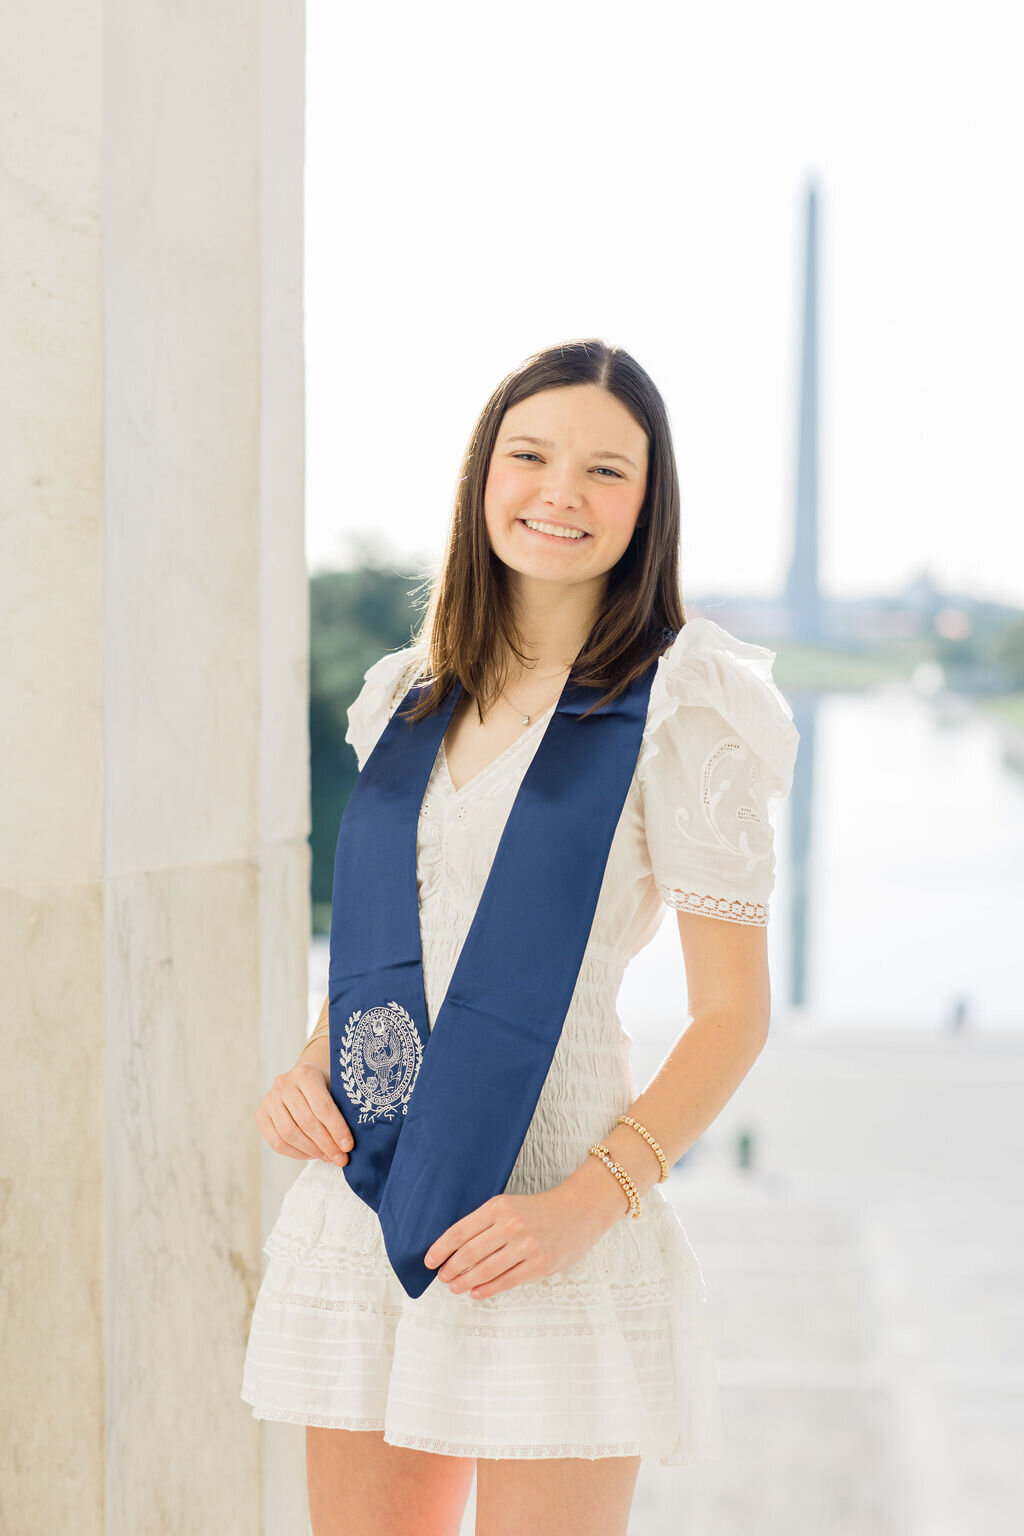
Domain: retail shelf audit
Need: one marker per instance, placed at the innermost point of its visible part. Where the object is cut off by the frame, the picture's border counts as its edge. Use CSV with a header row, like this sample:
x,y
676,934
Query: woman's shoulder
x,y
711,684
385,683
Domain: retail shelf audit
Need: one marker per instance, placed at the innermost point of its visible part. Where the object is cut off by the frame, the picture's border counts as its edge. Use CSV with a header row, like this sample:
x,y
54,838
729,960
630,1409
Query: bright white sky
x,y
484,180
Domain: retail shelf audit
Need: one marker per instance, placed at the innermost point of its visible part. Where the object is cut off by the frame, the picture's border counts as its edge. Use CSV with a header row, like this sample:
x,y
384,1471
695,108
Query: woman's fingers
x,y
279,1128
327,1112
299,1118
295,1098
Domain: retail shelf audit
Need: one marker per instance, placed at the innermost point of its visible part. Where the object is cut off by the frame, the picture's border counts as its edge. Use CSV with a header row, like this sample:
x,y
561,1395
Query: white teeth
x,y
561,533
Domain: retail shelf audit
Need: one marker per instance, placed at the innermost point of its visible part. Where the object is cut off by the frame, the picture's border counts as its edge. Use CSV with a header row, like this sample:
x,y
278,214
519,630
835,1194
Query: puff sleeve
x,y
716,761
384,686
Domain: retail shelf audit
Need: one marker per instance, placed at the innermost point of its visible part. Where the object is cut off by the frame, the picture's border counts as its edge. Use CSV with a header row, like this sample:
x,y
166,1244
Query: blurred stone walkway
x,y
865,1287
865,1290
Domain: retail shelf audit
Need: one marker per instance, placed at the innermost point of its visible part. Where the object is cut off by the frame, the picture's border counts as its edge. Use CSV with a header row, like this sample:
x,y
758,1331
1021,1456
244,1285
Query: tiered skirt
x,y
611,1357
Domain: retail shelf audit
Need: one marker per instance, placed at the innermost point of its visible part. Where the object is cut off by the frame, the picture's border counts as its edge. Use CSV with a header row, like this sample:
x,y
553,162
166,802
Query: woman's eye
x,y
527,455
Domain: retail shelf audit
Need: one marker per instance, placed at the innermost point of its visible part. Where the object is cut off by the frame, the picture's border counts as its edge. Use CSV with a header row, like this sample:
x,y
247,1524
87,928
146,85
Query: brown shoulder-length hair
x,y
468,626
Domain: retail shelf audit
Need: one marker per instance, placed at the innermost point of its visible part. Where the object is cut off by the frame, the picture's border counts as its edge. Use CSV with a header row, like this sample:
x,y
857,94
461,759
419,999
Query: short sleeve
x,y
716,761
384,686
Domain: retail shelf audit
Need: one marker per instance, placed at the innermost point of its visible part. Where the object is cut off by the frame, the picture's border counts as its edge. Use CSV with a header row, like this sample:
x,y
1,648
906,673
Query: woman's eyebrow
x,y
542,442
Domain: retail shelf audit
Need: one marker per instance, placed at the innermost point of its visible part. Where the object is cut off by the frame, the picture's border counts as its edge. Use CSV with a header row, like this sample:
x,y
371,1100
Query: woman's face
x,y
573,458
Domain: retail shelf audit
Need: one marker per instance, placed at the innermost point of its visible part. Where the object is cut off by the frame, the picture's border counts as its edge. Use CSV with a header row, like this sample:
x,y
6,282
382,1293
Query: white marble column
x,y
154,864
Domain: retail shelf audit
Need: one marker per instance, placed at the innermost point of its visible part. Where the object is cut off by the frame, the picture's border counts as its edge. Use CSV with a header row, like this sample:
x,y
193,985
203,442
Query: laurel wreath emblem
x,y
369,1109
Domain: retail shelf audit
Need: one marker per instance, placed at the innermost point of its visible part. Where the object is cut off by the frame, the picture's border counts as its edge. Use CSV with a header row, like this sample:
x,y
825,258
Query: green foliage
x,y
1006,708
355,617
803,668
1008,651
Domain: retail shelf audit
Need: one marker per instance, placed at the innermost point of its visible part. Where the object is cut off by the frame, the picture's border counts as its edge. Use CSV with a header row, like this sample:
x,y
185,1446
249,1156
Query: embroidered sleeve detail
x,y
717,757
709,837
707,667
711,807
716,906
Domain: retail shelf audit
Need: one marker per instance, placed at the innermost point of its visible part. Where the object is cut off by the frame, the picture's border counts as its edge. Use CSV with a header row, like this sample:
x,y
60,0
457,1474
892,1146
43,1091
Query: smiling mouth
x,y
569,536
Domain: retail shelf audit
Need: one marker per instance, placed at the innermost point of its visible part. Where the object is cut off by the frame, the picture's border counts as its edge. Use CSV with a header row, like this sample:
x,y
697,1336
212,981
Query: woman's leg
x,y
361,1486
561,1496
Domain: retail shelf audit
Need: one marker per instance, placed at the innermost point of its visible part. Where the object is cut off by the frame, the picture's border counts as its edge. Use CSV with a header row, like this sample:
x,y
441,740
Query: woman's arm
x,y
729,999
317,1048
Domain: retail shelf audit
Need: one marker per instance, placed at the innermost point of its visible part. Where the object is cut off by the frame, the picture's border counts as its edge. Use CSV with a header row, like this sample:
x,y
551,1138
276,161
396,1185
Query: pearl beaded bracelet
x,y
599,1150
629,1188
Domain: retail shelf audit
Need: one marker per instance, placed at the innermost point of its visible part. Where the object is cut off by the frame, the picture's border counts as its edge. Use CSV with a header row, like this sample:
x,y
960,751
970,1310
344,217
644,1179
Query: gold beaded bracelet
x,y
628,1187
599,1149
645,1133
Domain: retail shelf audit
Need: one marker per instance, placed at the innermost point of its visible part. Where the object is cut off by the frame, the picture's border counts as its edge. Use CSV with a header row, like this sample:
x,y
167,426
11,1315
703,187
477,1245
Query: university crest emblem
x,y
379,1060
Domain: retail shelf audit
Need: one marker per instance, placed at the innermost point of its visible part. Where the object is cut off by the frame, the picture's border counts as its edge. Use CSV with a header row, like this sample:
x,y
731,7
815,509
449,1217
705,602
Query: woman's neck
x,y
553,624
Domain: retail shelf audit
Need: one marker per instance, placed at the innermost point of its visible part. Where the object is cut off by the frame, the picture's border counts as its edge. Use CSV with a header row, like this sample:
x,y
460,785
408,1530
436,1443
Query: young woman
x,y
549,1334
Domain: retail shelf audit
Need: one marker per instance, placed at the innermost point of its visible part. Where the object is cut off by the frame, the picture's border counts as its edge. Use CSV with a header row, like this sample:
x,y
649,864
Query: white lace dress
x,y
611,1357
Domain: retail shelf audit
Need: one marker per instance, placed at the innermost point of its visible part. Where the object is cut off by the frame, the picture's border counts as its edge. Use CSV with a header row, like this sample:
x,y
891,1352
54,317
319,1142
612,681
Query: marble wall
x,y
154,863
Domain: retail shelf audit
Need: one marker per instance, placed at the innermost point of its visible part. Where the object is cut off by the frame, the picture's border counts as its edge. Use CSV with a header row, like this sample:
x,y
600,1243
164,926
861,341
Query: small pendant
x,y
526,719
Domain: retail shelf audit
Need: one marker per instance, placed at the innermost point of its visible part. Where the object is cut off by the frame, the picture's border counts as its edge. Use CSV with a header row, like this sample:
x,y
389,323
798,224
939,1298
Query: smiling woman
x,y
477,1264
554,530
564,494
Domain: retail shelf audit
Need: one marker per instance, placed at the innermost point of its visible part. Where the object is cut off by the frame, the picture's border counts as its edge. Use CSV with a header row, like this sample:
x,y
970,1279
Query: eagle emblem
x,y
379,1059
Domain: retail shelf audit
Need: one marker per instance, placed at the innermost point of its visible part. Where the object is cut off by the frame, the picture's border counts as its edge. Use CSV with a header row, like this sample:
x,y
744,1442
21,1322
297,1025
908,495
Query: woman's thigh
x,y
361,1486
561,1496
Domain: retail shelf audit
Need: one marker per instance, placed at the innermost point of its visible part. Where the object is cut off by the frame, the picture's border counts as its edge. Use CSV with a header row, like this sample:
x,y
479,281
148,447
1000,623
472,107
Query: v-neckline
x,y
504,753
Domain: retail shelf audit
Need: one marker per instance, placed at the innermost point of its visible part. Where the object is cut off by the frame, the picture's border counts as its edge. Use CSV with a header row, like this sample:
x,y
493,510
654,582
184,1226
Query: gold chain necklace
x,y
527,718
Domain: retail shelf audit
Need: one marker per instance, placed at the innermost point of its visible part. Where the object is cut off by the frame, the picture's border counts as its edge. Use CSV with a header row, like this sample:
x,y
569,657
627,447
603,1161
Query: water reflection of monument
x,y
802,602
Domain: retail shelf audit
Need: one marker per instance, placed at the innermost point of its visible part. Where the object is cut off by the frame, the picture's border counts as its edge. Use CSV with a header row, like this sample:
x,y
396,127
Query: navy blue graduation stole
x,y
438,1116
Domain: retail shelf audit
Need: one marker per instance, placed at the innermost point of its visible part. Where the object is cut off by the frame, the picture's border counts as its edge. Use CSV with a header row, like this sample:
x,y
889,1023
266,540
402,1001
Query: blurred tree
x,y
354,618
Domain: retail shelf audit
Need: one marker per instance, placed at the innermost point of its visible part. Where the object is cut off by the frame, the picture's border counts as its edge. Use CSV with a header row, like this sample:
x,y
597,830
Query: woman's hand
x,y
299,1117
513,1238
